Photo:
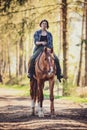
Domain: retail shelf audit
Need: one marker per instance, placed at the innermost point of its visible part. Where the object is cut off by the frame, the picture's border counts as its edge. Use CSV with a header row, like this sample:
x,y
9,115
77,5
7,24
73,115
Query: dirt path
x,y
15,113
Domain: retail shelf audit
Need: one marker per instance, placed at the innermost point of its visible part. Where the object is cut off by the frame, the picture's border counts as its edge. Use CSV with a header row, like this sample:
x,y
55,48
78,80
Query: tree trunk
x,y
64,37
86,45
2,58
25,60
5,59
21,63
9,64
17,59
79,82
21,45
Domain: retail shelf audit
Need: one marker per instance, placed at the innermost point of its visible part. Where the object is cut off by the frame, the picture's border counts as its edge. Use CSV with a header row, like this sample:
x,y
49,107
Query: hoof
x,y
32,114
41,114
53,115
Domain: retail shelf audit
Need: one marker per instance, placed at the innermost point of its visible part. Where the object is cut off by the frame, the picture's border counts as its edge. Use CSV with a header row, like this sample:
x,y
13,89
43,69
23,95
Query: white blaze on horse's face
x,y
51,67
49,58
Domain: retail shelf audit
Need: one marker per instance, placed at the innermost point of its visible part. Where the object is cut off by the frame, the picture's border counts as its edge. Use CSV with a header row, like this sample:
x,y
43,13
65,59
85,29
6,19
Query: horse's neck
x,y
42,57
38,57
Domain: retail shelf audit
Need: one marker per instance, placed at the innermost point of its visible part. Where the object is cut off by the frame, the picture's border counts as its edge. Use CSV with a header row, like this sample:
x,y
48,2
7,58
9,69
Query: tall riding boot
x,y
58,71
31,70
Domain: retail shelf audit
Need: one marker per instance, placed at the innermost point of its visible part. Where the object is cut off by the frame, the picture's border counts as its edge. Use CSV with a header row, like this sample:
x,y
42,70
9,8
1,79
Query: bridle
x,y
38,63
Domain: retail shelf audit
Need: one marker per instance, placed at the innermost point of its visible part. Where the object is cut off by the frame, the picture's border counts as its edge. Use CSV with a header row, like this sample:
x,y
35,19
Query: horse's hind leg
x,y
33,88
51,83
40,99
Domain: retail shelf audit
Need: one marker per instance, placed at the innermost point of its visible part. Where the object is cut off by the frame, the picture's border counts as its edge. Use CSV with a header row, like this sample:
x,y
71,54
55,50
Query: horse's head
x,y
48,59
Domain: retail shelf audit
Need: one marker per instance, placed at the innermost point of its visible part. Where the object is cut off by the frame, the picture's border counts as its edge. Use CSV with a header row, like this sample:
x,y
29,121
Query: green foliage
x,y
19,89
69,88
24,91
85,41
20,18
6,5
21,2
47,96
21,81
75,99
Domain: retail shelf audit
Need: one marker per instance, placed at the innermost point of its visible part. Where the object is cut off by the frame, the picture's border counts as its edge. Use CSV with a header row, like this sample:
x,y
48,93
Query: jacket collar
x,y
40,31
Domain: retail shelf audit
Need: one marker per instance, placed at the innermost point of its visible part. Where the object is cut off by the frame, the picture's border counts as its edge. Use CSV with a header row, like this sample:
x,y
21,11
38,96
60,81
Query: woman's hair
x,y
46,22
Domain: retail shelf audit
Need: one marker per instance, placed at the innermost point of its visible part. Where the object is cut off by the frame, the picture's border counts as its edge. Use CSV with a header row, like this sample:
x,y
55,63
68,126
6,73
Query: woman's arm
x,y
41,43
36,40
50,41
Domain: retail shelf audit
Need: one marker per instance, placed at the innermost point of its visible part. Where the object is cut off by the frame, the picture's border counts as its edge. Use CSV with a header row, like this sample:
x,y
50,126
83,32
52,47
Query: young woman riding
x,y
43,38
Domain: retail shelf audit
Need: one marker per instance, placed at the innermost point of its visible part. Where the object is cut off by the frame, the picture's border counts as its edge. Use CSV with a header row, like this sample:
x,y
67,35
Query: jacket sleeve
x,y
50,41
36,37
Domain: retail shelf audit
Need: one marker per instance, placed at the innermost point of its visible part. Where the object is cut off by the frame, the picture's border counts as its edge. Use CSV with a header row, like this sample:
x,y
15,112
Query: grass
x,y
75,99
21,90
69,98
24,91
21,86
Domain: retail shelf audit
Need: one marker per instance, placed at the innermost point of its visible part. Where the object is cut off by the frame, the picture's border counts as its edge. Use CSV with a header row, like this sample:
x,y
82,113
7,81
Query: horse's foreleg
x,y
33,96
51,83
40,99
33,107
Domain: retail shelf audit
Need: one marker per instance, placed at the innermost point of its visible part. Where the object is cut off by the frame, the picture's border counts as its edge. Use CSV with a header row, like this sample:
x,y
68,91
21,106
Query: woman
x,y
43,38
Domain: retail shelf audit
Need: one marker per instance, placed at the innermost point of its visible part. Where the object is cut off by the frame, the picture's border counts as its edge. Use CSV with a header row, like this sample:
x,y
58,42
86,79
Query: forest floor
x,y
15,113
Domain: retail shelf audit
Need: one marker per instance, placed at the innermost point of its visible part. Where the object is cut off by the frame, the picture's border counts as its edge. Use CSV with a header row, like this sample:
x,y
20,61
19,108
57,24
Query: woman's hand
x,y
41,43
44,43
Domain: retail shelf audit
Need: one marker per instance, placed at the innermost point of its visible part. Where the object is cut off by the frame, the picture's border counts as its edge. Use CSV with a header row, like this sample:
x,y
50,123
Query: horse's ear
x,y
51,50
45,49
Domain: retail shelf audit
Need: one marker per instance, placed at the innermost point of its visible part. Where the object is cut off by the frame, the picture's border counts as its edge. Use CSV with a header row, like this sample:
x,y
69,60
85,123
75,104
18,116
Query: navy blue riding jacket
x,y
37,36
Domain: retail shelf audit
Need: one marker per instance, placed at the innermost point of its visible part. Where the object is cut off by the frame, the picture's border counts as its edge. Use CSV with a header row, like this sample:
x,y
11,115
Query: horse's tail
x,y
33,89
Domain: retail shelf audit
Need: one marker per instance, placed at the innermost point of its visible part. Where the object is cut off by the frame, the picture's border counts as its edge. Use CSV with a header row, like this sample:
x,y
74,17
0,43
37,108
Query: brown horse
x,y
44,70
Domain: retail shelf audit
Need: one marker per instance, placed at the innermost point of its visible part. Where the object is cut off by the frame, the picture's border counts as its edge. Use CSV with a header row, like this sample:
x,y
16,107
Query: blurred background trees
x,y
19,19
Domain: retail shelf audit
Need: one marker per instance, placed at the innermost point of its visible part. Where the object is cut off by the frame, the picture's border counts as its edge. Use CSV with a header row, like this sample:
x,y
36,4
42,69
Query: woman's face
x,y
44,25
